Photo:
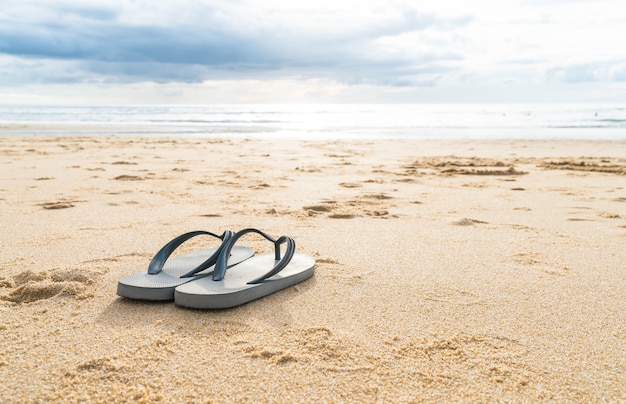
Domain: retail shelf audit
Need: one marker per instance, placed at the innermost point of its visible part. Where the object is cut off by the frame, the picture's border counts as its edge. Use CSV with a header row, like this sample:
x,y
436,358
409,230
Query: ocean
x,y
325,121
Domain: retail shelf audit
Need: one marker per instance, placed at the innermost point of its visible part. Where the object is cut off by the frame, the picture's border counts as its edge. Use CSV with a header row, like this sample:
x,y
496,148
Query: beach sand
x,y
466,271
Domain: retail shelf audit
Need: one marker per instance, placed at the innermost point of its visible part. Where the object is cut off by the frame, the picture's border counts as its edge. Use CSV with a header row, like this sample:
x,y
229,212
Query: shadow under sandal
x,y
163,276
256,277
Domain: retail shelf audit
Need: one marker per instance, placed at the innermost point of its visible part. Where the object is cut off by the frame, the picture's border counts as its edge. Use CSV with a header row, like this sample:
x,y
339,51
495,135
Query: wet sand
x,y
467,271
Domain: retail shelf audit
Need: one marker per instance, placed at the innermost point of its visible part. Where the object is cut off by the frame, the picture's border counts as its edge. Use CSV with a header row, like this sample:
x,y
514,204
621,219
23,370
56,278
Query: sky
x,y
322,51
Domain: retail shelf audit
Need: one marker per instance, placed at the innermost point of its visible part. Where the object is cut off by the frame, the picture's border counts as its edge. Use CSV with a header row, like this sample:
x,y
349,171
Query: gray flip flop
x,y
248,280
162,277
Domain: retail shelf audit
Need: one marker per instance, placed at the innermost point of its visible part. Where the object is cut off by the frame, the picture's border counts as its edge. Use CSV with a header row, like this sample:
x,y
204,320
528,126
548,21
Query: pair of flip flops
x,y
221,277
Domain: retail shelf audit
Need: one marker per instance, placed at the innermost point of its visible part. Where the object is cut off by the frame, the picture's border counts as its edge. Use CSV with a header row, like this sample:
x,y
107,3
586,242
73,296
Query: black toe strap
x,y
222,261
156,265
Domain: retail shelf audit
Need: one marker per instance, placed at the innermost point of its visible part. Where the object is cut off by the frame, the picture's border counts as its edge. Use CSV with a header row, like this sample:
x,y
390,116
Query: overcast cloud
x,y
323,51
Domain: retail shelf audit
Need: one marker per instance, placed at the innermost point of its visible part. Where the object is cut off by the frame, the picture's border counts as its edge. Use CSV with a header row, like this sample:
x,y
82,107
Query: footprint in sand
x,y
313,210
63,203
57,205
335,270
260,185
609,215
467,222
350,209
453,165
129,178
380,196
538,261
452,295
123,163
341,216
350,185
463,358
317,347
333,208
602,165
85,380
29,286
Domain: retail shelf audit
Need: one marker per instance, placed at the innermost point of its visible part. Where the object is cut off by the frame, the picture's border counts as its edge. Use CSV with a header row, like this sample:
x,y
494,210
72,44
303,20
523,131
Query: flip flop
x,y
248,280
162,277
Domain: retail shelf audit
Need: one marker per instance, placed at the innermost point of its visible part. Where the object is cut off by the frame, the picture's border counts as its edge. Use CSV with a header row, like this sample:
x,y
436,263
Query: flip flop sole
x,y
234,290
160,287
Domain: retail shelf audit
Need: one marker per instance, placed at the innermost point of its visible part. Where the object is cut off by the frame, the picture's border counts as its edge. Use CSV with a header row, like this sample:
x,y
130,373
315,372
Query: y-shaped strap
x,y
156,265
222,261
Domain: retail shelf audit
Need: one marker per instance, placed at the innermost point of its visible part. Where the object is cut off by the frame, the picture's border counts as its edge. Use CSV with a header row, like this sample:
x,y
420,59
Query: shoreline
x,y
454,270
248,132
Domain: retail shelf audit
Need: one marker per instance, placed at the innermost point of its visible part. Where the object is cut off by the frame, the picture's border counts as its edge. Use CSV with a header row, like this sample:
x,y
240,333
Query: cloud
x,y
100,43
589,72
115,42
399,47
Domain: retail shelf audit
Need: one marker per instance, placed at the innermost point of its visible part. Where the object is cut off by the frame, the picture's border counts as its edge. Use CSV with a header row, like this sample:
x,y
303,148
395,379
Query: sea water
x,y
325,121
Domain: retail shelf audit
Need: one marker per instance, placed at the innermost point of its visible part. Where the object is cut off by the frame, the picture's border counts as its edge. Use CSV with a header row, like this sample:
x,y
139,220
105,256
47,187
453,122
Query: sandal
x,y
248,280
162,277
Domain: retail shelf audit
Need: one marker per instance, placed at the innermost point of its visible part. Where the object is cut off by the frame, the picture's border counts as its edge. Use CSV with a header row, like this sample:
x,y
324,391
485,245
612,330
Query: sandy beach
x,y
447,271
